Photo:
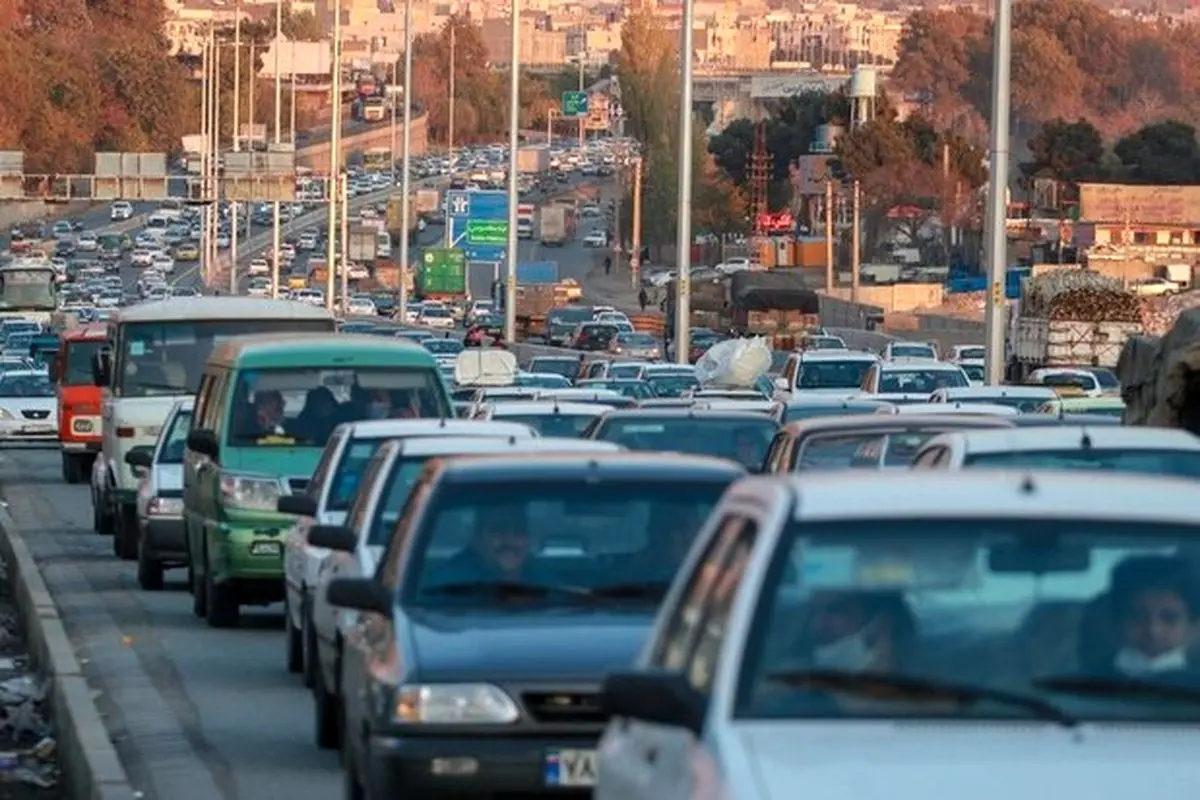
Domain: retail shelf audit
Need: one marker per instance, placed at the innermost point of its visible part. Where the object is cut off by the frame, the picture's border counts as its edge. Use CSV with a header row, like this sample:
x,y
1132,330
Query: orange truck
x,y
79,412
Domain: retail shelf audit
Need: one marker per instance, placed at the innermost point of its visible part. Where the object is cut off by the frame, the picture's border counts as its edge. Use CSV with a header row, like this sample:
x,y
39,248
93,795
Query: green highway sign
x,y
487,231
575,104
444,271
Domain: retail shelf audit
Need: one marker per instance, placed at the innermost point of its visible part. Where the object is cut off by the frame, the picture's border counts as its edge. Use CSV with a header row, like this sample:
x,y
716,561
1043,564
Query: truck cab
x,y
79,401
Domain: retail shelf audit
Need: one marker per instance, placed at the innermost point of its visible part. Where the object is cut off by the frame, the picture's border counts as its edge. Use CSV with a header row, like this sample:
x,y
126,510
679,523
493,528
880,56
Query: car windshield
x,y
443,347
175,442
166,358
569,316
565,541
1063,618
671,384
77,361
542,380
978,353
807,411
1079,380
566,367
975,372
301,407
26,385
628,372
356,455
741,439
830,374
1106,378
636,339
1025,405
912,351
861,450
1178,463
920,381
638,390
567,426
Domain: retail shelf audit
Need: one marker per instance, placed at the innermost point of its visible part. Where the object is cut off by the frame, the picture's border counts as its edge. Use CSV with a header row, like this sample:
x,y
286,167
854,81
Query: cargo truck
x,y
361,243
1071,317
533,159
396,227
556,225
427,201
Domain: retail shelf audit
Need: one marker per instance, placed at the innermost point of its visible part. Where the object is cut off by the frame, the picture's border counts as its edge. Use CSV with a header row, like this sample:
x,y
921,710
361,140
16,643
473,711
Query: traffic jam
x,y
591,566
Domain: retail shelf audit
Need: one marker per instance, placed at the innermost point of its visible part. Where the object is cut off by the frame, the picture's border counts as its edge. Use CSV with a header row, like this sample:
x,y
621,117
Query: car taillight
x,y
125,432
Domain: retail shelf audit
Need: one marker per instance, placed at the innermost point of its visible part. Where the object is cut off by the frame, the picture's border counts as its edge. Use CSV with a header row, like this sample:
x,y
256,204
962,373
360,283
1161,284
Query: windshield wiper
x,y
920,689
1121,687
500,589
633,590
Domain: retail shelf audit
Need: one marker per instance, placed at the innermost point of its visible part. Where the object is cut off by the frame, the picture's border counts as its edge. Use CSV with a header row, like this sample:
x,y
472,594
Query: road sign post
x,y
575,104
478,223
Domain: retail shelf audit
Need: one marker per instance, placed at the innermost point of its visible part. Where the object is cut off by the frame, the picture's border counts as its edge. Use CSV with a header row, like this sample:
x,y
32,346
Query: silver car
x,y
161,542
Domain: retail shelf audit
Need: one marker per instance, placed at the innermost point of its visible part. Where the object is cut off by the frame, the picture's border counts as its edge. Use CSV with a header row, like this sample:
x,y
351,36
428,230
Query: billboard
x,y
774,87
1152,205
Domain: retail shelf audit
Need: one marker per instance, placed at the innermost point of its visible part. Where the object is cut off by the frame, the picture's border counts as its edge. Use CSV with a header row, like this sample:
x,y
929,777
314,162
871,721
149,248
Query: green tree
x,y
648,71
1165,152
1071,152
480,96
302,26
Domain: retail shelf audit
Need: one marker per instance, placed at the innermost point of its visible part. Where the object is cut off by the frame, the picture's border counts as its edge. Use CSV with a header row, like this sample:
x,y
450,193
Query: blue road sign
x,y
462,207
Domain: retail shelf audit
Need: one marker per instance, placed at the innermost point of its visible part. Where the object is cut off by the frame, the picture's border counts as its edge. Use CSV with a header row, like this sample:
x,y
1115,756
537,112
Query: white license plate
x,y
38,429
571,768
266,549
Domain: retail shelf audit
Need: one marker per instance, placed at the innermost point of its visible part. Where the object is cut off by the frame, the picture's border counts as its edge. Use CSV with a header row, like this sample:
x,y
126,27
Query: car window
x,y
570,426
1019,606
1177,463
576,541
742,440
829,374
920,381
175,440
861,450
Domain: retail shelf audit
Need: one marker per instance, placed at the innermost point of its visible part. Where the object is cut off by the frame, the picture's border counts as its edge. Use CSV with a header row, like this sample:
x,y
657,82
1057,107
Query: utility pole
x,y
828,235
395,80
514,144
292,129
205,146
276,220
582,134
406,166
450,121
635,260
854,246
216,166
344,276
683,239
335,145
235,207
996,251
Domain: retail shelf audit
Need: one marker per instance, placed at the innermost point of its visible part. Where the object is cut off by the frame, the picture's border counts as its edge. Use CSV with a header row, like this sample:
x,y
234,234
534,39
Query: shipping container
x,y
530,273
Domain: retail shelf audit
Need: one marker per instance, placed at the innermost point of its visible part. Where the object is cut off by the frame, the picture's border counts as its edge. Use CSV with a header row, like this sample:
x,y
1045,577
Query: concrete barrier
x,y
90,766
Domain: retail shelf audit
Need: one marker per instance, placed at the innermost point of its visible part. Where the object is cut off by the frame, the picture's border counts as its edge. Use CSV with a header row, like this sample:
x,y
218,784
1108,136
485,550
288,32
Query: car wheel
x,y
312,653
103,515
326,718
125,537
199,595
222,602
352,788
149,570
293,644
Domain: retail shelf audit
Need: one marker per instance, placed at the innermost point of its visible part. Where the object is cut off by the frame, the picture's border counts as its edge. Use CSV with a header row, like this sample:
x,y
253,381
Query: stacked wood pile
x,y
1079,295
1159,313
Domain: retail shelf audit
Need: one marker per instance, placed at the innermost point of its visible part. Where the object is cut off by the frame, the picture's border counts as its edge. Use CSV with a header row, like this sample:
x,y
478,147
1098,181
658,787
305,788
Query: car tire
x,y
224,610
199,595
352,788
326,716
126,535
312,653
293,643
101,517
149,570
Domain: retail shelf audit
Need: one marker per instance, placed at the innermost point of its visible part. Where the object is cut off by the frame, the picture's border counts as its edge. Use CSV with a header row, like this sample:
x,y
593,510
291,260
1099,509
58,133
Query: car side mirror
x,y
204,442
659,696
141,457
102,368
299,504
359,594
333,537
782,384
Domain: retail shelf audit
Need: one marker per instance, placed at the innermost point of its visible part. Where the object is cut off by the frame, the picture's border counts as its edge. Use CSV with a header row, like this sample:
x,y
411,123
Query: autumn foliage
x,y
87,75
1071,59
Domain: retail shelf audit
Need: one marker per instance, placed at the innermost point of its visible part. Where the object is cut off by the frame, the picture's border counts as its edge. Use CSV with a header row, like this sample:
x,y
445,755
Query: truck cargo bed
x,y
1051,343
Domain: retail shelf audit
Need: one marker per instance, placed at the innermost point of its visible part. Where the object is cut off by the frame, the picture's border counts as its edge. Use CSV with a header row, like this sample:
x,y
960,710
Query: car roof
x,y
883,422
972,392
1059,437
803,400
675,369
320,350
547,408
836,355
445,426
954,407
221,308
681,413
590,467
1028,494
1049,420
923,364
468,445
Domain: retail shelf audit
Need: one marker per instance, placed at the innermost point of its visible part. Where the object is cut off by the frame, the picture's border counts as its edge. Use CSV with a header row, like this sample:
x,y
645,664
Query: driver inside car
x,y
1152,603
499,551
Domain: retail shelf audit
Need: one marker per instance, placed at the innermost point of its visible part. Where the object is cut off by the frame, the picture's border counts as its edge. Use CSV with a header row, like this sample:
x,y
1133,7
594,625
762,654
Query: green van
x,y
265,408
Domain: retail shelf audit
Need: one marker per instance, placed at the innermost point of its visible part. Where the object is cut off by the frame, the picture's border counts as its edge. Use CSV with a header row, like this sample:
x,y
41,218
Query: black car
x,y
740,436
507,590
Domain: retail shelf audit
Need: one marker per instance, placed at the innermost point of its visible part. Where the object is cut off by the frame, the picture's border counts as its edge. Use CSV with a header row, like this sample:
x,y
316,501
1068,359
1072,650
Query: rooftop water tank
x,y
863,83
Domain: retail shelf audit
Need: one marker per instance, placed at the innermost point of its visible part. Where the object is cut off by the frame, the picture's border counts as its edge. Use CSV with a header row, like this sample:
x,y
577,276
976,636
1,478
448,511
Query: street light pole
x,y
450,120
276,221
406,167
235,207
395,67
205,146
996,251
582,135
514,126
216,164
333,188
683,239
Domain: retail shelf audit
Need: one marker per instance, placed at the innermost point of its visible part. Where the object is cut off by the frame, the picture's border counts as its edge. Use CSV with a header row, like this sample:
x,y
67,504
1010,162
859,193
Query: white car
x,y
163,262
913,376
896,350
1022,398
435,317
596,238
547,417
360,306
120,211
28,407
259,287
258,266
357,272
141,257
1116,448
732,265
356,548
1077,377
307,241
87,242
965,634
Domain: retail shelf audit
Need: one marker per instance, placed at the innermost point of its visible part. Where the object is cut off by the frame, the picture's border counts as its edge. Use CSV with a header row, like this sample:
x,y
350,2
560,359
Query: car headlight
x,y
252,492
6,414
165,506
455,704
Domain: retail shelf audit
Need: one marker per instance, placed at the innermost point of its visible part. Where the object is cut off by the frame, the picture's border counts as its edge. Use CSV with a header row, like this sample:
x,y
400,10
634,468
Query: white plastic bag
x,y
735,363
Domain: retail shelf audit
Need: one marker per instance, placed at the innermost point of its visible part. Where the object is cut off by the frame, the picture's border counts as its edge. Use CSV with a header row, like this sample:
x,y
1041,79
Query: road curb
x,y
91,768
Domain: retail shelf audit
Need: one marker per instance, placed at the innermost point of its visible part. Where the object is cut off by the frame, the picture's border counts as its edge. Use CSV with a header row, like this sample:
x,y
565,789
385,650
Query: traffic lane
x,y
196,713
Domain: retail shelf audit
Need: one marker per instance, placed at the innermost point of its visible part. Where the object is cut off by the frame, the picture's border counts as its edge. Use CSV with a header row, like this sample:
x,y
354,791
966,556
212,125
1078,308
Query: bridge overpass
x,y
358,137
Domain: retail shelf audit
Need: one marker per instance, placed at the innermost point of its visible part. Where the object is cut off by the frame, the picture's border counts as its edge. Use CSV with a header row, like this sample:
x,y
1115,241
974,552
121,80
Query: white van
x,y
383,245
154,355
